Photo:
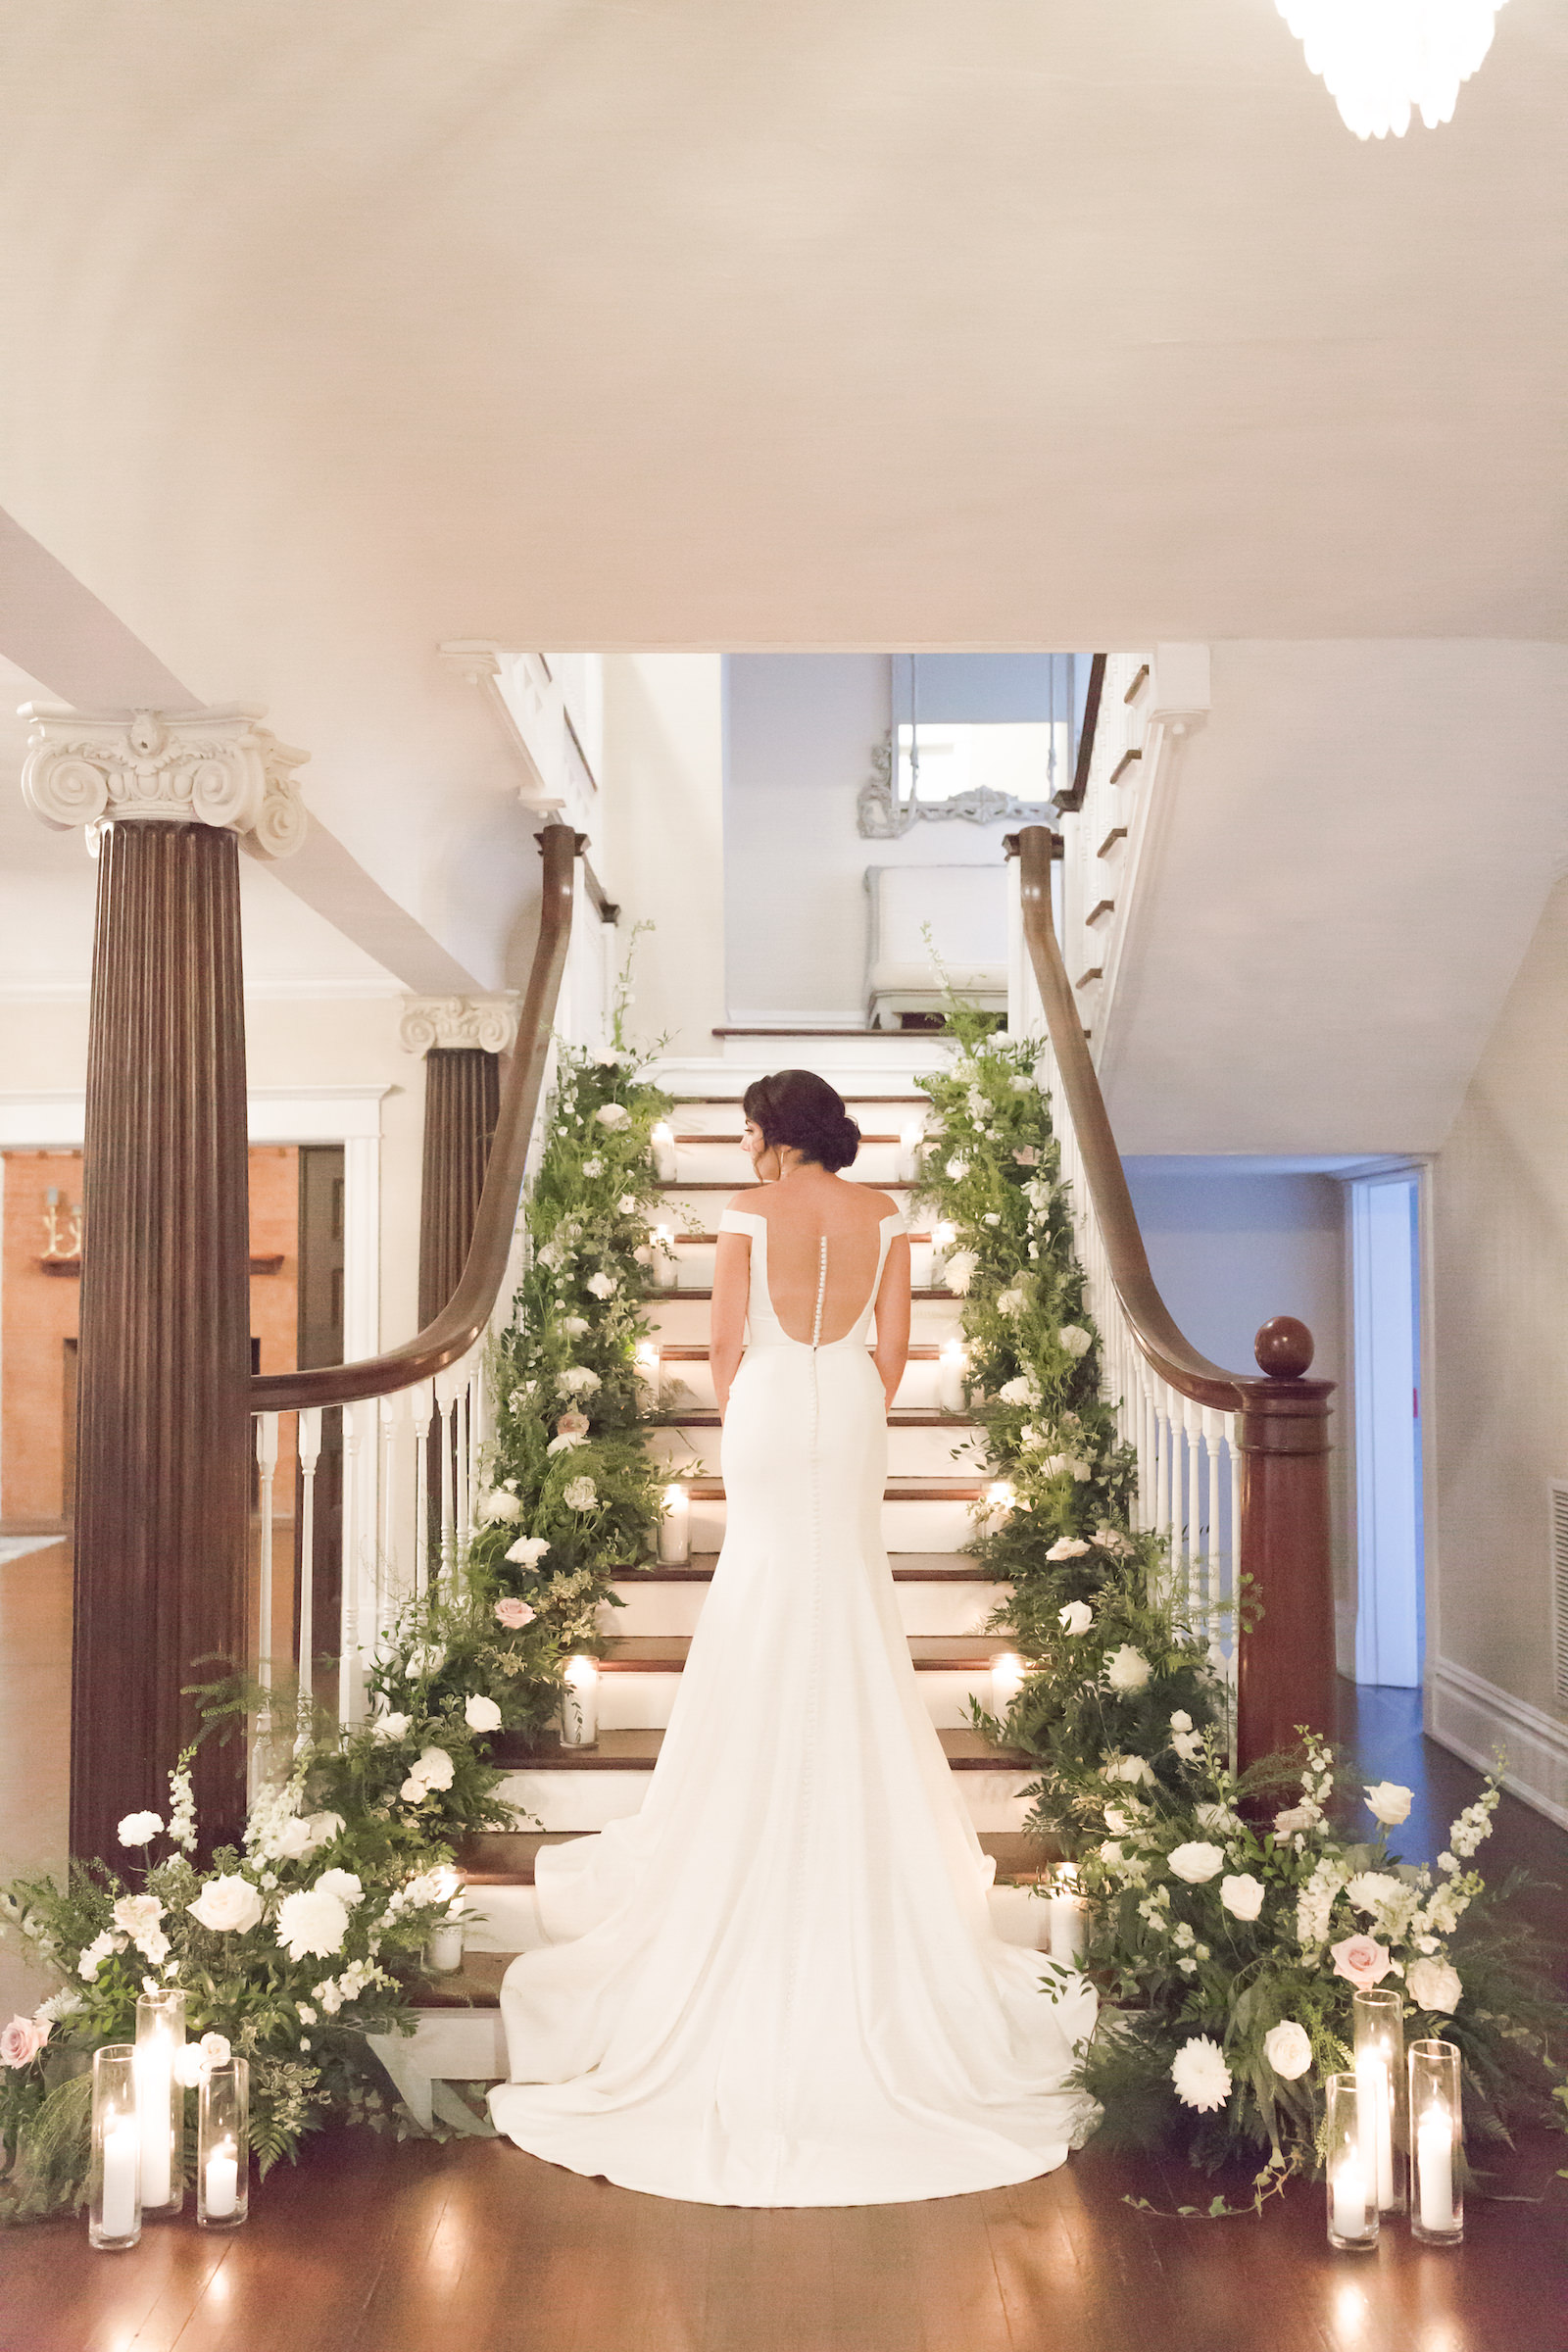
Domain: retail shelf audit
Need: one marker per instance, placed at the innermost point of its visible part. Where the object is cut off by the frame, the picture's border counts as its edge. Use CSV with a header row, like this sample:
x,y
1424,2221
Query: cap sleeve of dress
x,y
739,1220
895,1224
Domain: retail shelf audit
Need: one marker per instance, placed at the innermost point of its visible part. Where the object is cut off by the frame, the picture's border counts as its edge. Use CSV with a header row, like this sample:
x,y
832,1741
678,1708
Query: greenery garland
x,y
1226,1930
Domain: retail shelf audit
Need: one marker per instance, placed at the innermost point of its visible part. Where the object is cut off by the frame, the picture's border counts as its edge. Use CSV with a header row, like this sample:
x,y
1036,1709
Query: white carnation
x,y
581,1495
1201,2074
140,1829
603,1285
497,1507
960,1265
310,1922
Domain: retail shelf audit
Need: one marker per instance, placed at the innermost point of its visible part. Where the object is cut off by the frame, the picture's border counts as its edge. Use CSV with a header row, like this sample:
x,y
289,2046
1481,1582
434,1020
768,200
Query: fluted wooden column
x,y
162,1447
462,1097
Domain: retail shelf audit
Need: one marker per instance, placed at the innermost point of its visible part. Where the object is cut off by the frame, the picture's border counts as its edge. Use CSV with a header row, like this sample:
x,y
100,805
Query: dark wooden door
x,y
321,1341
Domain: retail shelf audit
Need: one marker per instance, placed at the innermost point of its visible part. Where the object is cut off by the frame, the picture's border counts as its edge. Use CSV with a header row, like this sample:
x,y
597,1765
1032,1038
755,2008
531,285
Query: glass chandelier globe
x,y
1380,58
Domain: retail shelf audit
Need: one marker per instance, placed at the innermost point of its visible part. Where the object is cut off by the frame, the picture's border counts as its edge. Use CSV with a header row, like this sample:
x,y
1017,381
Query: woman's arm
x,y
732,1283
892,1350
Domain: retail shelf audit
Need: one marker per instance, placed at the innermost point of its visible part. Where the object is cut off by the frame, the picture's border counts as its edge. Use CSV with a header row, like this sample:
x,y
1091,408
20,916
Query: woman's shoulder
x,y
745,1204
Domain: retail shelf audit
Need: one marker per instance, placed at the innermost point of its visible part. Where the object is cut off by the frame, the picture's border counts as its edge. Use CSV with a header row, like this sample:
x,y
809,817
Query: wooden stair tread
x,y
506,1857
909,1568
665,1653
903,1416
684,1352
637,1750
901,1488
705,1290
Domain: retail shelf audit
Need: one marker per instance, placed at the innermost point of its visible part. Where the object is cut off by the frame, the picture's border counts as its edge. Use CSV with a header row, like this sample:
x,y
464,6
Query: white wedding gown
x,y
778,1982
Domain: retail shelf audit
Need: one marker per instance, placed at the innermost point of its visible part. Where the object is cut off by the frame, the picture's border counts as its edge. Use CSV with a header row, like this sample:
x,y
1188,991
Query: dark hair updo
x,y
801,1110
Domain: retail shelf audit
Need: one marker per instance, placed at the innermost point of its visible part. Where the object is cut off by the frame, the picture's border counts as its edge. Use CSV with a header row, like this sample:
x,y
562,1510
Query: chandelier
x,y
1380,58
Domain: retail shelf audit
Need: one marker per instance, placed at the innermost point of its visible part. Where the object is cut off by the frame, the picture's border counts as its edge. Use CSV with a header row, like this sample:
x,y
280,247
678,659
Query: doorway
x,y
1386,1282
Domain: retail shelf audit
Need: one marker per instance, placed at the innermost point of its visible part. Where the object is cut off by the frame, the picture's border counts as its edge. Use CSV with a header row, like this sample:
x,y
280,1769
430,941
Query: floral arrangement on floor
x,y
574,1497
1227,1927
290,1948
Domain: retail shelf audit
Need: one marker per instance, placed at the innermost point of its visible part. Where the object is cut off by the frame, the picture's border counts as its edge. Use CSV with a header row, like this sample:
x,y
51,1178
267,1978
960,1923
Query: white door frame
x,y
1378,1653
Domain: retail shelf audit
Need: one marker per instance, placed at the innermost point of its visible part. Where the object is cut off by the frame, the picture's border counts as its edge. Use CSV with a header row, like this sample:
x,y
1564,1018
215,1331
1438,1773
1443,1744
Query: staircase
x,y
935,1475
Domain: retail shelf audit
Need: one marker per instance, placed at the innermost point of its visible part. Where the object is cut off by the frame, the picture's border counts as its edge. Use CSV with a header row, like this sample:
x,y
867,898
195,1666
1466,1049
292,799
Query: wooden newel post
x,y
162,1452
1286,1660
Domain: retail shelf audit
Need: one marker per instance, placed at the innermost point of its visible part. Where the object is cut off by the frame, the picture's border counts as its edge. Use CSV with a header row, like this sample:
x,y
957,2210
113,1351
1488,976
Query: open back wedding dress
x,y
777,1984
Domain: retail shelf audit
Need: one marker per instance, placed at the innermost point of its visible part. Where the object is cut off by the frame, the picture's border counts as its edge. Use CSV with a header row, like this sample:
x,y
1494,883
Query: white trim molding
x,y
1470,1717
528,705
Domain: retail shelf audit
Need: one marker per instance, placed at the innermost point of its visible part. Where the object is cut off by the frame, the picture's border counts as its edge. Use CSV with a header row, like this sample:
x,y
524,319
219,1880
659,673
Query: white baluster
x,y
267,1466
421,1405
358,1544
309,1450
447,1424
390,1422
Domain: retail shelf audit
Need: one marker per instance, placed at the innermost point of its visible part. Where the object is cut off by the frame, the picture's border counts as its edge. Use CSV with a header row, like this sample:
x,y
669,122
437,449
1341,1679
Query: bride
x,y
778,1982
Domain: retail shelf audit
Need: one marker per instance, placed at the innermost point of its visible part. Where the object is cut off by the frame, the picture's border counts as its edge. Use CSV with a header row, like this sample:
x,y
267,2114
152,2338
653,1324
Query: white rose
x,y
1241,1894
1201,2074
310,1921
1134,1769
1287,2048
1180,1721
573,1326
290,1840
1197,1861
1294,1819
1076,1618
1117,1822
603,1285
581,1495
323,1828
1012,1302
529,1551
1067,1548
1433,1985
481,1714
498,1505
1019,1390
1387,1803
140,1829
613,1115
1127,1669
1073,1340
344,1883
215,2049
1188,1745
422,1662
578,1380
188,2067
391,1726
1079,1467
229,1905
958,1169
434,1767
960,1269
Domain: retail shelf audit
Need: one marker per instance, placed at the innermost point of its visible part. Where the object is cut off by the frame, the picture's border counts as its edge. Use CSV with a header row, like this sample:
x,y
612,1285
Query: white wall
x,y
1229,1248
799,730
660,854
1499,1379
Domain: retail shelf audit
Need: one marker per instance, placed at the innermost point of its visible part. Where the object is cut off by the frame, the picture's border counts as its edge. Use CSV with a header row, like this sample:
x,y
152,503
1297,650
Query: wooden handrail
x,y
1283,1544
1073,798
458,1327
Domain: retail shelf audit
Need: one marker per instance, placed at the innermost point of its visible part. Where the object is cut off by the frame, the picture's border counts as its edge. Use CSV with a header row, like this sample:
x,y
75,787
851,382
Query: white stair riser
x,y
687,1322
630,1700
587,1801
935,1608
905,1526
939,1453
687,1384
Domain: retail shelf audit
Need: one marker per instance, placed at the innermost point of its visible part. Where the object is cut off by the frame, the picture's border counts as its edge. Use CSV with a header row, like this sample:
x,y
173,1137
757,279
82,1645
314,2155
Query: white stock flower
x,y
1067,1548
1073,1340
390,1726
603,1285
1287,2048
1433,1985
1388,1802
481,1714
1241,1894
613,1115
140,1829
229,1904
1201,2074
1076,1618
1197,1861
578,1380
1127,1669
581,1495
497,1506
310,1921
960,1269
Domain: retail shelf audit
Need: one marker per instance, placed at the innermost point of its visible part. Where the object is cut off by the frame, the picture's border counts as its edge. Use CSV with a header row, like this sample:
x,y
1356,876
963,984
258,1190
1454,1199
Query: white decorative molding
x,y
210,767
1471,1717
488,1023
528,704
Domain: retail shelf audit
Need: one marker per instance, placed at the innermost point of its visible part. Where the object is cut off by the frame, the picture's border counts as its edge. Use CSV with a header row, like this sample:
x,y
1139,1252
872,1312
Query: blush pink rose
x,y
572,1425
514,1615
22,2040
1360,1960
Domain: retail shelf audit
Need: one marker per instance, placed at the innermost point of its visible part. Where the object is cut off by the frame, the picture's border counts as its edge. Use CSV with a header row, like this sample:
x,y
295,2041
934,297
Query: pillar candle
x,y
674,1529
1434,2172
154,2091
952,1367
666,1270
1347,2186
122,2174
662,1139
223,2182
1377,2125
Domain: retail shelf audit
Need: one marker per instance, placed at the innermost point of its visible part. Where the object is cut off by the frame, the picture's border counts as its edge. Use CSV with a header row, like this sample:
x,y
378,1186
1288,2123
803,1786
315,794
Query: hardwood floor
x,y
475,2247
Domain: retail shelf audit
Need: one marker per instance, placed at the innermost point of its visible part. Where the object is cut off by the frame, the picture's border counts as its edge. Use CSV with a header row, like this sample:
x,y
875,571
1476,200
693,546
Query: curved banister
x,y
1151,1323
456,1329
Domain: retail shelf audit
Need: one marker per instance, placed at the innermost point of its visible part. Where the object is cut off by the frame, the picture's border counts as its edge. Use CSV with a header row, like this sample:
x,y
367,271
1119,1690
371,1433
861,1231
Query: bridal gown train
x,y
778,1984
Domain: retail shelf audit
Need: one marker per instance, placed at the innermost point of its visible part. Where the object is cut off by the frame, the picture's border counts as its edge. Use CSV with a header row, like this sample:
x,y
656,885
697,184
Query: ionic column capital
x,y
208,767
486,1023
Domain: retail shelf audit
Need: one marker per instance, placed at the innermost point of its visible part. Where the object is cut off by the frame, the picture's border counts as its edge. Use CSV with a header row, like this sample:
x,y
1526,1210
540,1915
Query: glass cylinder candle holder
x,y
952,1377
1436,2138
662,1241
943,1236
114,2178
1352,2200
661,1140
161,2101
579,1704
675,1528
1380,2071
223,2146
1069,1917
1009,1674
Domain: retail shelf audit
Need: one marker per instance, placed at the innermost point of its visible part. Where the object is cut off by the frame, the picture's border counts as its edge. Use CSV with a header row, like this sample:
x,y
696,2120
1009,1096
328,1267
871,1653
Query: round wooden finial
x,y
1283,1347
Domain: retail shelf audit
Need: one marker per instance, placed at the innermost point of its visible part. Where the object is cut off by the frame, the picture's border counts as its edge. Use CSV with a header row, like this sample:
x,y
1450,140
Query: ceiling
x,y
332,332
